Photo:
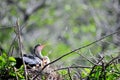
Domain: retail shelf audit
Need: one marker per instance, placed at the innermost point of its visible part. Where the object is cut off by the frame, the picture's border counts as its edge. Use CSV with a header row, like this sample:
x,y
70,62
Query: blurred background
x,y
62,25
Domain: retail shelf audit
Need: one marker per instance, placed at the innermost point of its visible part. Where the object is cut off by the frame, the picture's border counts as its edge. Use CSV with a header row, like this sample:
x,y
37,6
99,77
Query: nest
x,y
47,74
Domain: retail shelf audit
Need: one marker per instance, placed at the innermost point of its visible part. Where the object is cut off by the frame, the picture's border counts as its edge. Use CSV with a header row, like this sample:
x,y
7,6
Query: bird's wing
x,y
31,60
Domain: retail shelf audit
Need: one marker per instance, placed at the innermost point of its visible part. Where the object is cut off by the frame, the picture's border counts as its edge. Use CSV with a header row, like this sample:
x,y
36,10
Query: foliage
x,y
63,26
109,73
7,68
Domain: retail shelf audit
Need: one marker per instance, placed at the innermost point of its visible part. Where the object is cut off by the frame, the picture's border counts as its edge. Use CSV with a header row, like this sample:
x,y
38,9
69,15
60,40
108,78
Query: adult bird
x,y
37,52
33,59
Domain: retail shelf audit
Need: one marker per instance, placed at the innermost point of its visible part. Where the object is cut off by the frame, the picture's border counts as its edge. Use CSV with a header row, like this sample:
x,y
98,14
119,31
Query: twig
x,y
2,28
39,4
18,33
87,59
78,73
12,51
112,61
116,67
103,71
28,12
15,39
79,49
94,67
69,73
11,46
79,66
16,74
76,50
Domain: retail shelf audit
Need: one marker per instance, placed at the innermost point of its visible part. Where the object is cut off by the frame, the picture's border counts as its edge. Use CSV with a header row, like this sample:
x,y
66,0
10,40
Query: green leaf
x,y
4,55
62,72
21,76
12,59
87,70
12,63
2,59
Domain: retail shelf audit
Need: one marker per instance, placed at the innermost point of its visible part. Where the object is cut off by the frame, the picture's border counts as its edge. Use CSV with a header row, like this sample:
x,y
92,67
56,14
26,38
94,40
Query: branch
x,y
33,9
80,48
18,33
79,66
94,68
16,74
87,59
9,51
112,61
2,28
13,41
69,73
76,50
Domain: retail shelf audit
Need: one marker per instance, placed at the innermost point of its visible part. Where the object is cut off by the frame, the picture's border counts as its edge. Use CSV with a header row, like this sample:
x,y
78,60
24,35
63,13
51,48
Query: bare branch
x,y
18,33
13,41
112,61
33,9
94,67
88,59
77,50
16,74
2,28
69,73
9,51
79,66
80,48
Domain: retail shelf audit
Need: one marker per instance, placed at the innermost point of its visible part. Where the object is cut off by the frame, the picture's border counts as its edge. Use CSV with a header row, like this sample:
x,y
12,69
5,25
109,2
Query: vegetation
x,y
81,38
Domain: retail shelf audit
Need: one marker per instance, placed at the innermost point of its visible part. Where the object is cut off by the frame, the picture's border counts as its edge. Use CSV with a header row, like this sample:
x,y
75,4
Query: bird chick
x,y
45,61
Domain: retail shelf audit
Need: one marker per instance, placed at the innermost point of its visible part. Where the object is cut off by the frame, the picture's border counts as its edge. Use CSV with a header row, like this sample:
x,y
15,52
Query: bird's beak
x,y
39,48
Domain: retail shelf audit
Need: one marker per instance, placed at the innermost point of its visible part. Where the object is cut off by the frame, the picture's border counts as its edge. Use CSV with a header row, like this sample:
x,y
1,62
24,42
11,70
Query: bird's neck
x,y
40,55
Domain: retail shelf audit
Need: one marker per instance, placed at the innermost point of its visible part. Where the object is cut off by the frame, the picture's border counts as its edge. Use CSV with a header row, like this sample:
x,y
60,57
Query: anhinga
x,y
34,59
37,51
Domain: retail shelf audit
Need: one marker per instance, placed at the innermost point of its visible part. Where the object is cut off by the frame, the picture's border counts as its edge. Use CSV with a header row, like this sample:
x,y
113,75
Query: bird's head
x,y
37,50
